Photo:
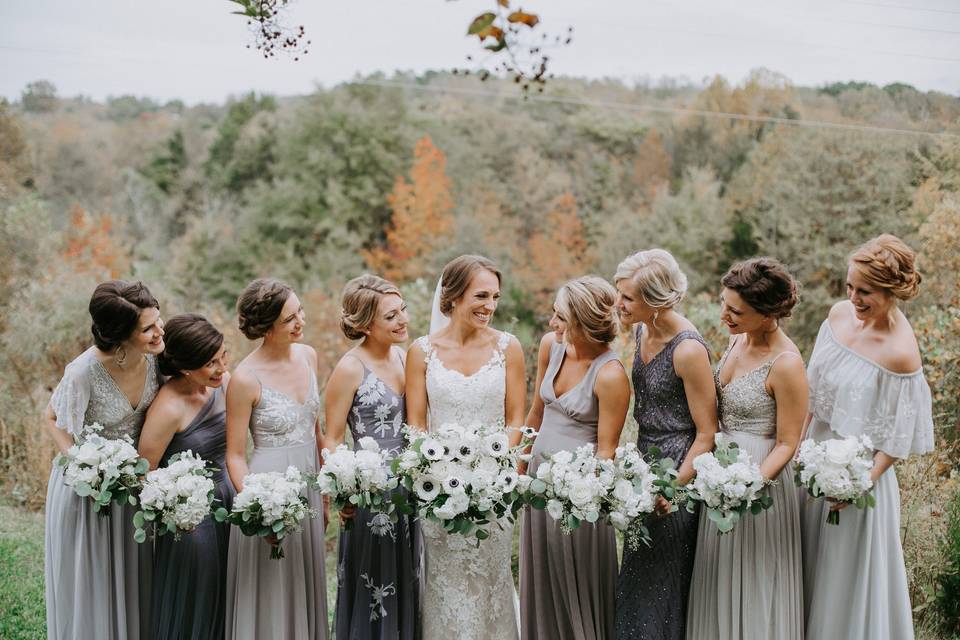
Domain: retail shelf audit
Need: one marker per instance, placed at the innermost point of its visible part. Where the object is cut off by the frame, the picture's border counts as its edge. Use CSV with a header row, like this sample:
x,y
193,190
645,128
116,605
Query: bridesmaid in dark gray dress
x,y
378,568
97,576
189,580
675,410
567,581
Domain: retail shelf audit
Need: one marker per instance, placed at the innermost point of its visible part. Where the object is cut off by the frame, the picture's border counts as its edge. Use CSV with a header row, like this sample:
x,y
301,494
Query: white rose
x,y
555,509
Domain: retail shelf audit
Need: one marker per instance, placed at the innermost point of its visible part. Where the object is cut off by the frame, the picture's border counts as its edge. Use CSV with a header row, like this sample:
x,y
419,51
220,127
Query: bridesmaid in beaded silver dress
x,y
97,576
378,568
189,413
273,394
748,583
568,581
676,412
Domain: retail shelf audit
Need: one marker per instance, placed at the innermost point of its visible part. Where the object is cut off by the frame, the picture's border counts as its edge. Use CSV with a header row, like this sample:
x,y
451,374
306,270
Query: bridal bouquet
x,y
463,478
573,486
175,498
103,469
728,484
270,504
361,478
633,495
838,469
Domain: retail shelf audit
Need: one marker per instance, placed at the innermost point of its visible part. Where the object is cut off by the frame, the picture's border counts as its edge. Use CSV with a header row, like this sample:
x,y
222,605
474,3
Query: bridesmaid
x,y
378,568
747,584
567,582
189,576
273,395
675,407
97,577
866,378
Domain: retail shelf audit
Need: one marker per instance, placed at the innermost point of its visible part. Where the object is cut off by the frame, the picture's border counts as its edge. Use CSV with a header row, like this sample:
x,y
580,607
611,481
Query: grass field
x,y
22,612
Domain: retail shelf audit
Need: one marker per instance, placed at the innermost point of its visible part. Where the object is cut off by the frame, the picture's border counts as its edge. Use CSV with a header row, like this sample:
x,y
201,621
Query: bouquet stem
x,y
276,552
833,517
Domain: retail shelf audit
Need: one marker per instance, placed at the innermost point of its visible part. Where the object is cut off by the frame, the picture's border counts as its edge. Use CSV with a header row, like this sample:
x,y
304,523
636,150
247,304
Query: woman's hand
x,y
663,507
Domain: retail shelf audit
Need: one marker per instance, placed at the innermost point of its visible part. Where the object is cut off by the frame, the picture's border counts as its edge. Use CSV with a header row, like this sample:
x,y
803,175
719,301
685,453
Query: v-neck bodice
x,y
280,421
377,412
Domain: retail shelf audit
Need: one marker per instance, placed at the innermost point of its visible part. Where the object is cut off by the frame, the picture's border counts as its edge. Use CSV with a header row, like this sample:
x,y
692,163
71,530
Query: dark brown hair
x,y
259,306
115,308
886,262
190,342
457,276
764,284
360,300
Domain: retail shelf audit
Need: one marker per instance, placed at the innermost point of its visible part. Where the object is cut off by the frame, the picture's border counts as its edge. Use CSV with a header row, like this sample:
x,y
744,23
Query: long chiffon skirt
x,y
748,583
97,577
285,598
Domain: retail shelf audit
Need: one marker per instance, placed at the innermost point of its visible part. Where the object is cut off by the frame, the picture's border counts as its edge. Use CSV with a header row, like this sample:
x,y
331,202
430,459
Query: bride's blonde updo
x,y
360,300
657,277
886,262
457,276
588,306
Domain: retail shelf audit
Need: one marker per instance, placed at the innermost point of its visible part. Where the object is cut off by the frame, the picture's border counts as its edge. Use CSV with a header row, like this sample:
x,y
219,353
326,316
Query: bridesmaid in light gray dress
x,y
97,576
568,581
747,583
273,393
866,378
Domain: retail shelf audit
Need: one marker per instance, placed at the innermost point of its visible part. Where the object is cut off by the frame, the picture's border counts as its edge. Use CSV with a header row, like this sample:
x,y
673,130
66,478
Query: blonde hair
x,y
657,277
360,300
456,278
588,306
886,262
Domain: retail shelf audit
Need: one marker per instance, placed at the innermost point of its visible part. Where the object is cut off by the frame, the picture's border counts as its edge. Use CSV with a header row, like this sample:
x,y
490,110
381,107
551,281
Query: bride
x,y
466,372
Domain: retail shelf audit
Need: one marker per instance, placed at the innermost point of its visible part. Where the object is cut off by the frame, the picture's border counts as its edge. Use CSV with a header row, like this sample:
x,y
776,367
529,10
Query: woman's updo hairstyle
x,y
886,262
360,301
658,279
588,306
190,342
115,308
259,306
457,276
765,285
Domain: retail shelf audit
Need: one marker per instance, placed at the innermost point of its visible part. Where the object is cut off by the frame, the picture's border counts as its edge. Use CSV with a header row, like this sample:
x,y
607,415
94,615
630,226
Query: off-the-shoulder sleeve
x,y
71,397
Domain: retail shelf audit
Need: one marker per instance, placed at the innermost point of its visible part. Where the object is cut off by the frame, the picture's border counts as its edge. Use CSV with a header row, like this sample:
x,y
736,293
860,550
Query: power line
x,y
629,106
897,6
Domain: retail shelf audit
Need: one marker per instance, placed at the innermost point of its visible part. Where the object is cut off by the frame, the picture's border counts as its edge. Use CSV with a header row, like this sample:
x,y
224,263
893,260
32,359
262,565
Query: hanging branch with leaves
x,y
272,35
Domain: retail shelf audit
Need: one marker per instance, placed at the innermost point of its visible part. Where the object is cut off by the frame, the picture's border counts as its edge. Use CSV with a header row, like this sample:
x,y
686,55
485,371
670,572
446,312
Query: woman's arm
x,y
415,386
788,383
516,390
338,397
612,389
535,416
163,419
61,437
242,396
692,364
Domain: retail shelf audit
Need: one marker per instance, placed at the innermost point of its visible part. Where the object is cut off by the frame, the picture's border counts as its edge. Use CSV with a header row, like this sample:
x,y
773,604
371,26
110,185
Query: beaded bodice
x,y
280,421
744,402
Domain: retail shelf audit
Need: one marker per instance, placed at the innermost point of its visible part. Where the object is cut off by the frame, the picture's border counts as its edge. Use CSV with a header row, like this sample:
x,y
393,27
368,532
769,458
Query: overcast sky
x,y
195,50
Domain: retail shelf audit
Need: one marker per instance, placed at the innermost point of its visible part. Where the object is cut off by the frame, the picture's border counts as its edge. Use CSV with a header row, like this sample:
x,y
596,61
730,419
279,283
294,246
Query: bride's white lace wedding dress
x,y
469,592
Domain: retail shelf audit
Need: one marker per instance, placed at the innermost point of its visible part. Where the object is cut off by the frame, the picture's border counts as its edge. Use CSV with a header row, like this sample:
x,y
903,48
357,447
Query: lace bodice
x,y
280,421
467,400
469,590
377,412
87,394
856,396
744,403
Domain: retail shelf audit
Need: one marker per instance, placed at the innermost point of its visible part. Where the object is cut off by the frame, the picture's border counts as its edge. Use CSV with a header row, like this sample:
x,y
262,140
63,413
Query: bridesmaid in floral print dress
x,y
378,566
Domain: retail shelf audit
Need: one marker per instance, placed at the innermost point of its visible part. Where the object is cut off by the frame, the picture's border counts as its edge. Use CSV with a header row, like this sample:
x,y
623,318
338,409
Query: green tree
x,y
39,97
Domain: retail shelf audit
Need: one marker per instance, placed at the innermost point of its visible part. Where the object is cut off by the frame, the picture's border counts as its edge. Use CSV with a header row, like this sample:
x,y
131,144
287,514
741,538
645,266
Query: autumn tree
x,y
90,245
421,218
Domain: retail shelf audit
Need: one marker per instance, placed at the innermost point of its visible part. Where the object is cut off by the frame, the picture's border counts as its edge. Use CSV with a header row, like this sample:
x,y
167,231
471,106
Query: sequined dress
x,y
747,583
378,568
284,598
97,577
855,581
654,581
469,592
567,581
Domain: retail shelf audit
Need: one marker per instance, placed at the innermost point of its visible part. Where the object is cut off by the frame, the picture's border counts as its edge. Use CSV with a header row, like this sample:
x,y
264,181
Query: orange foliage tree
x,y
553,254
422,217
90,245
